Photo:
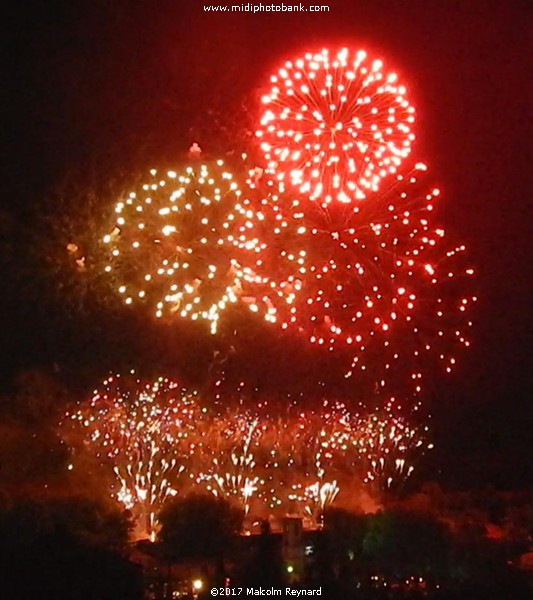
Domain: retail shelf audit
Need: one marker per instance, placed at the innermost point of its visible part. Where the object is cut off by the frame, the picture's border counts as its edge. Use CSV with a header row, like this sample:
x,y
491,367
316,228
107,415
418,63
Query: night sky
x,y
97,90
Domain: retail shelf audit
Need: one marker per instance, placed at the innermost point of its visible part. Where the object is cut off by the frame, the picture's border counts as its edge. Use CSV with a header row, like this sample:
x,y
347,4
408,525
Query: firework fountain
x,y
145,434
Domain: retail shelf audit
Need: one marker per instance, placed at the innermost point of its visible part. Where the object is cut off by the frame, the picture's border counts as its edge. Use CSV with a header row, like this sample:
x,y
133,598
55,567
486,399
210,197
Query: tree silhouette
x,y
66,548
198,527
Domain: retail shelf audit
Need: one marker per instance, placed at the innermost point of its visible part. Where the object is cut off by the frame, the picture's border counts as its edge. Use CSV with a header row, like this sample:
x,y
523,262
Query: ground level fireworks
x,y
154,440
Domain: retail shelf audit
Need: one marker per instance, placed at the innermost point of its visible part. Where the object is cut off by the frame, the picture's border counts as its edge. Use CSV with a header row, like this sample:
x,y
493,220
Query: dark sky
x,y
119,86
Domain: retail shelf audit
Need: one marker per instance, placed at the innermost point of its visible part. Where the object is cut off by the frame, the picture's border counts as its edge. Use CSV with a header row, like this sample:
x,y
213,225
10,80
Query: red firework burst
x,y
377,277
334,125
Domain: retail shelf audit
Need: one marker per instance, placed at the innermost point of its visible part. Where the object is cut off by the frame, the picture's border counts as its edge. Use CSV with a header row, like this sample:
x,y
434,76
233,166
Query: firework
x,y
377,278
334,125
317,497
156,442
298,463
146,433
377,447
311,459
180,241
315,486
385,445
229,466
